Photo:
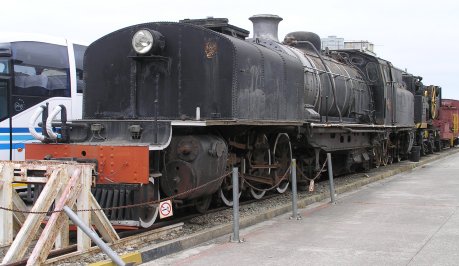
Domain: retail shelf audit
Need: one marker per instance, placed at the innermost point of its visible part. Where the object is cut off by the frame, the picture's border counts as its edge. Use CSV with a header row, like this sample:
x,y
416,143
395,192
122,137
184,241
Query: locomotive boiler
x,y
169,108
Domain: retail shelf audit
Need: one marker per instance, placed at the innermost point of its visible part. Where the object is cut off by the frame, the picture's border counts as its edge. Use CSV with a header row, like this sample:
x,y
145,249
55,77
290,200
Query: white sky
x,y
421,36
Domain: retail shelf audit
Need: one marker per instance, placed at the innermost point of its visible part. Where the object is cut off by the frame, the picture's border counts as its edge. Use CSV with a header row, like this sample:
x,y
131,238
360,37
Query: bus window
x,y
4,67
79,54
3,99
40,69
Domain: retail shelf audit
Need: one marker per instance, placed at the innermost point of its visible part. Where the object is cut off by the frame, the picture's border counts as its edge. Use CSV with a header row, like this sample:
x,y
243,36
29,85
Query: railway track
x,y
215,219
137,236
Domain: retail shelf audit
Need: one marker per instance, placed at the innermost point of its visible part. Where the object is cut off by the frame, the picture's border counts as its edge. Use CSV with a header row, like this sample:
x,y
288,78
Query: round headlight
x,y
142,41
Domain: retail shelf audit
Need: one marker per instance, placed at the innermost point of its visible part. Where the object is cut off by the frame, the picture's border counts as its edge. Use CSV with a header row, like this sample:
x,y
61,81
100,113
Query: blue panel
x,y
17,129
15,146
16,137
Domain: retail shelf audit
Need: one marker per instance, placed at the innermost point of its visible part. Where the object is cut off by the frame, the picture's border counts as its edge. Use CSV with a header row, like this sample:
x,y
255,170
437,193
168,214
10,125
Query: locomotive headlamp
x,y
147,41
142,41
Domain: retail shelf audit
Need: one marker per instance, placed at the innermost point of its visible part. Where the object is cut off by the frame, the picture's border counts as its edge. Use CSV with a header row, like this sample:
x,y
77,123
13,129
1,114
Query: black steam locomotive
x,y
169,107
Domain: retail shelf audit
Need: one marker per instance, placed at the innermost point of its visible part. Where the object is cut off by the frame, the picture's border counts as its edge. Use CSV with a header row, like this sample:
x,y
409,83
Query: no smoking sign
x,y
165,209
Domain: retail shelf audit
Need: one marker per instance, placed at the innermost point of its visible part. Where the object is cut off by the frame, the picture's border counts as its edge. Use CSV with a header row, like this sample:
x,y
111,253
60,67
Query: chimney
x,y
265,26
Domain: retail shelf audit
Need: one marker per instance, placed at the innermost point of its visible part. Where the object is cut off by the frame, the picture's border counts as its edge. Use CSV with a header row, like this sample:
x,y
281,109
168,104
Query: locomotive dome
x,y
299,39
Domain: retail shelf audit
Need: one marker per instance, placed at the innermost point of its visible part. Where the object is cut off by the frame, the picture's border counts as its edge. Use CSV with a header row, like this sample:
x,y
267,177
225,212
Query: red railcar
x,y
448,122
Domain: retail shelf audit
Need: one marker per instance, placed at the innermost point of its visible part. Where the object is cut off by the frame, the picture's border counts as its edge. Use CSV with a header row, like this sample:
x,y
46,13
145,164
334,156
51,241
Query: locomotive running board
x,y
203,123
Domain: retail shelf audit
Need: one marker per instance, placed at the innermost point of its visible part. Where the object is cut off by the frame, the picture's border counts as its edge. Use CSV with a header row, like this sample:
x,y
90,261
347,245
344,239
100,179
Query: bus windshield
x,y
41,69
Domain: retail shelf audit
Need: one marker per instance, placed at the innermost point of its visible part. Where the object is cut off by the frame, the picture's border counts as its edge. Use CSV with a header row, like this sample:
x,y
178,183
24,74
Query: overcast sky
x,y
421,36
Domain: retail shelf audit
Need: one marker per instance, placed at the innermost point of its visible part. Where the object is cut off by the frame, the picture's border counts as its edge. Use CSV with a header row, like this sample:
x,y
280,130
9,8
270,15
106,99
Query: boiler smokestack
x,y
265,26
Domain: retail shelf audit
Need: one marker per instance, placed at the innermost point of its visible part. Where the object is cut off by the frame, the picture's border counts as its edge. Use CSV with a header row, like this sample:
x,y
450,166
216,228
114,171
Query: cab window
x,y
40,69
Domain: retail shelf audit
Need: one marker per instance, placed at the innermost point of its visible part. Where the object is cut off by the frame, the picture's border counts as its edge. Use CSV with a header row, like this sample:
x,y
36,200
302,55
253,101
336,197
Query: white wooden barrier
x,y
66,184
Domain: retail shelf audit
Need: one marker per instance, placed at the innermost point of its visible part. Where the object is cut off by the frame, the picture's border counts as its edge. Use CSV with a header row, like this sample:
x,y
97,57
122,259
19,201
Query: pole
x,y
235,237
94,237
330,178
295,214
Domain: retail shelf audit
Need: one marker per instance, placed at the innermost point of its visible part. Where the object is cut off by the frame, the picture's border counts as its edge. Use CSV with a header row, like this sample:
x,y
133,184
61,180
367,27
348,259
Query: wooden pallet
x,y
66,184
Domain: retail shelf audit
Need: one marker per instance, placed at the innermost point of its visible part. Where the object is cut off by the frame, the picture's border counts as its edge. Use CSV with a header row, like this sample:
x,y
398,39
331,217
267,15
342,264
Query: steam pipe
x,y
49,128
32,121
64,126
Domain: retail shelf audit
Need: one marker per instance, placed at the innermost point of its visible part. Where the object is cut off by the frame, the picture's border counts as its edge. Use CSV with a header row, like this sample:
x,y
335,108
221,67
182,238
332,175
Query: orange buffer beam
x,y
116,164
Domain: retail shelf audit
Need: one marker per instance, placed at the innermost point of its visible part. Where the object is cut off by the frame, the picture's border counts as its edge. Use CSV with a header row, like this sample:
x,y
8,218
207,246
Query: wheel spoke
x,y
260,155
283,157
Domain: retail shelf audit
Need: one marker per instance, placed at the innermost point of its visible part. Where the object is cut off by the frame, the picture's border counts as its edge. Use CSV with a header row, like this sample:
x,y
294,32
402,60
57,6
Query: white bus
x,y
35,71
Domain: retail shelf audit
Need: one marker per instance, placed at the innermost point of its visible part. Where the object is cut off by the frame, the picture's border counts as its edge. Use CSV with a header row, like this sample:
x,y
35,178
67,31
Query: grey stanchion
x,y
94,237
235,236
330,178
295,214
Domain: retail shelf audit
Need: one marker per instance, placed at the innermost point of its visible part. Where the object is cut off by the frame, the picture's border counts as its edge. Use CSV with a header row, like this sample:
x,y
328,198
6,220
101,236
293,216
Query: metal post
x,y
235,237
295,214
94,237
330,178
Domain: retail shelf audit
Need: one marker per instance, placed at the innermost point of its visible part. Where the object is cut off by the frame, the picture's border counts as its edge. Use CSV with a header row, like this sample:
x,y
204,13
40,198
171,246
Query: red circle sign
x,y
165,208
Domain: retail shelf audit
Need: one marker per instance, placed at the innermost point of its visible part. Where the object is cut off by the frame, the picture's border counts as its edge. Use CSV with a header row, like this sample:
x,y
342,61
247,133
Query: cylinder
x,y
193,161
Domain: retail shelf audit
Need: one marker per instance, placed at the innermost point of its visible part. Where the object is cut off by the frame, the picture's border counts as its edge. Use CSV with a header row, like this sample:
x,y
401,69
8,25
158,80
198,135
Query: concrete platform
x,y
408,219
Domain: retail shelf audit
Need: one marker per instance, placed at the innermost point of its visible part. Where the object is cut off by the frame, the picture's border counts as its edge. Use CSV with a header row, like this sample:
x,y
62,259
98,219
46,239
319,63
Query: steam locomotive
x,y
171,107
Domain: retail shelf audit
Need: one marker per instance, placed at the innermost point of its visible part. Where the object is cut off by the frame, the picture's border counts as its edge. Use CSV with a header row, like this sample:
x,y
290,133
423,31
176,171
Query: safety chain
x,y
317,175
267,189
125,206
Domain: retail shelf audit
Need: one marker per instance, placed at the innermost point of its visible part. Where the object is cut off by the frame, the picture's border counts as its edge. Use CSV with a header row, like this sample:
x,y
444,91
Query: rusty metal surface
x,y
116,164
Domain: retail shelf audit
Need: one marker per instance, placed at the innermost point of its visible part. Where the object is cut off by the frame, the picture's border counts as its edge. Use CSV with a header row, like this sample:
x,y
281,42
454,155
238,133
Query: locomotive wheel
x,y
384,154
260,155
226,191
423,149
377,156
390,158
148,214
283,157
397,156
257,194
202,204
430,147
390,152
437,146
